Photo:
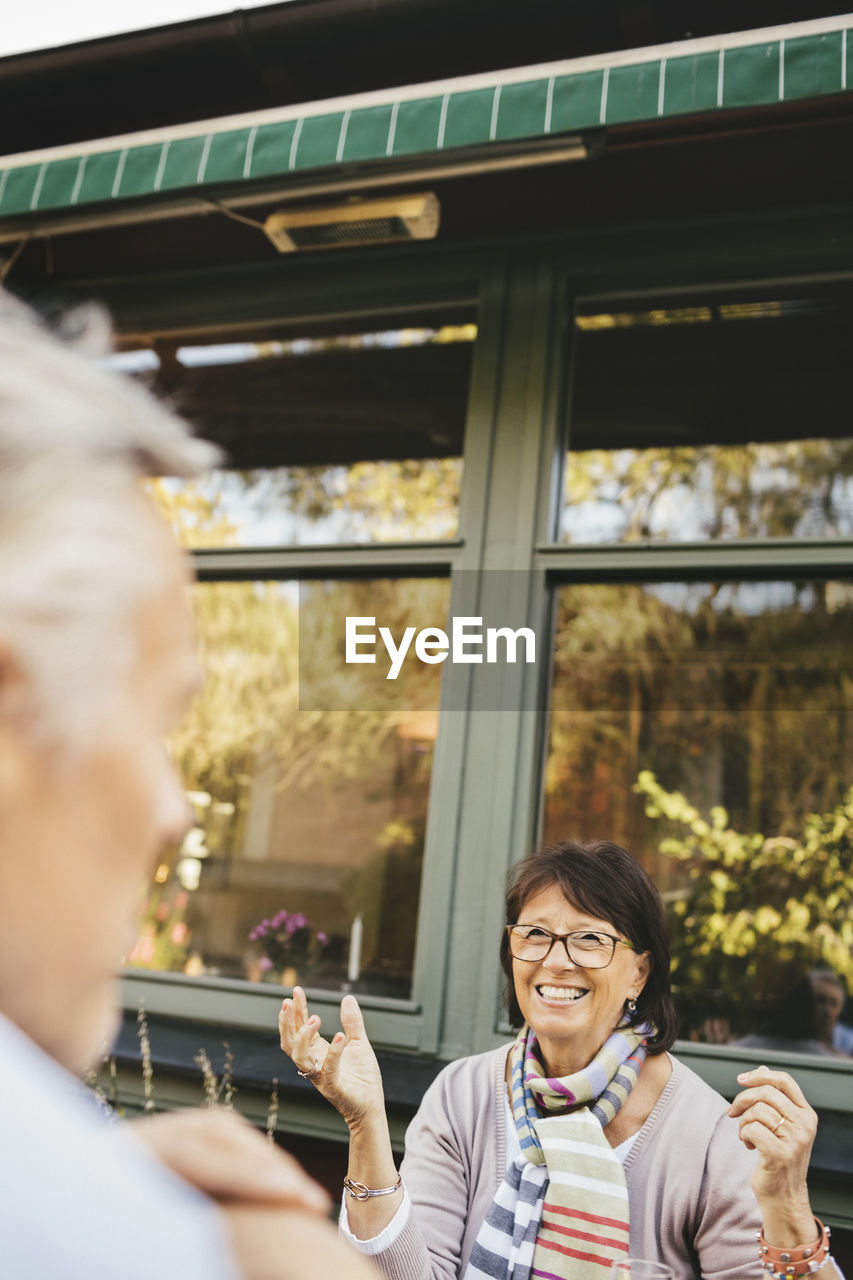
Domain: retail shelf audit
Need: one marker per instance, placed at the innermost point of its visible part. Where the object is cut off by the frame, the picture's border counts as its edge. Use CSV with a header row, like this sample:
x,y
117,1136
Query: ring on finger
x,y
778,1126
312,1071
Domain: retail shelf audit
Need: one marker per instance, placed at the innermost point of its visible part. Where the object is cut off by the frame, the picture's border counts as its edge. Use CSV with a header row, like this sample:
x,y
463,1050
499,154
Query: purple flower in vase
x,y
287,939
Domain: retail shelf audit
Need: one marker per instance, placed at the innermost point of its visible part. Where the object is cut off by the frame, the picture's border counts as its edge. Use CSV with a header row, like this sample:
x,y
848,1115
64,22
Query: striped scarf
x,y
561,1212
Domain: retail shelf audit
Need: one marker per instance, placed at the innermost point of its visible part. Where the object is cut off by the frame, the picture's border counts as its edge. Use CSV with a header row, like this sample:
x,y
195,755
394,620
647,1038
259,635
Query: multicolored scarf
x,y
561,1212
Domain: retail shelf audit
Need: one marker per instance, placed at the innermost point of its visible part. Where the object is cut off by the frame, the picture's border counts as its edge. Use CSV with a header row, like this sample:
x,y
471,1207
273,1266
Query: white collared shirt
x,y
82,1198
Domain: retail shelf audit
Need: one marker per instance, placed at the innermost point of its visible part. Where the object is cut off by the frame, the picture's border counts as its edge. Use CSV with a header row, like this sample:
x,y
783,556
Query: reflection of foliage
x,y
382,501
376,501
698,682
164,937
193,514
328,682
798,488
253,732
756,906
248,711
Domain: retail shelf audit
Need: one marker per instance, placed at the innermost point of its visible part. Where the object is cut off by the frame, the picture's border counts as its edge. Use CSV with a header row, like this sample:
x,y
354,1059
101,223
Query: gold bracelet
x,y
359,1191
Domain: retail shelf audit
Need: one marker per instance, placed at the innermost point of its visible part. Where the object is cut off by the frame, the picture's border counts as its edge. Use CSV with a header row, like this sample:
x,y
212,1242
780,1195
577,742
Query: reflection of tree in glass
x,y
246,727
328,682
798,488
246,734
193,509
376,501
754,909
701,684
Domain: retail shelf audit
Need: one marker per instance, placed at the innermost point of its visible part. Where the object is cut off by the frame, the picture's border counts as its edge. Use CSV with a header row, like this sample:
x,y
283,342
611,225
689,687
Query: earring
x,y
632,1008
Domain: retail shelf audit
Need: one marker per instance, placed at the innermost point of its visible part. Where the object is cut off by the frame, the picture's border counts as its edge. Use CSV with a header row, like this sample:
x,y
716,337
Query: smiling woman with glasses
x,y
584,1140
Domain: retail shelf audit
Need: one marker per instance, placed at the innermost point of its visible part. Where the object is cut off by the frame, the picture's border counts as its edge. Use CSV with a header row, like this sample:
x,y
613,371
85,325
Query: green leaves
x,y
754,906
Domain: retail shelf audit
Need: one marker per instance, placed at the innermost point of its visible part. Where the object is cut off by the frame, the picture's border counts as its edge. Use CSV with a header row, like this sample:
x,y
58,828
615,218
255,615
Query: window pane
x,y
727,418
345,436
708,728
311,821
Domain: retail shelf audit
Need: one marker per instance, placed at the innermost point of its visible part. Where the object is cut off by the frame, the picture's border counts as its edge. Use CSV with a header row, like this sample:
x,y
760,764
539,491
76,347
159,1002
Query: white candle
x,y
354,966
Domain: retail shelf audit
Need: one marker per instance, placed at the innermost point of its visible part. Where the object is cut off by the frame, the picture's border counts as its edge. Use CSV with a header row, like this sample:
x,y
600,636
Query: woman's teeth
x,y
561,993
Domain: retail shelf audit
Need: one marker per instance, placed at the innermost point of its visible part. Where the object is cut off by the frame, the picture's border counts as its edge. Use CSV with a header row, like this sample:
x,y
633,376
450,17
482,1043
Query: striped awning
x,y
229,157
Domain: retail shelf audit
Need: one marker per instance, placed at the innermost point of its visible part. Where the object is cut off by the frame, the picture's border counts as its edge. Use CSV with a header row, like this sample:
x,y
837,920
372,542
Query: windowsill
x,y
257,1058
826,1081
235,1002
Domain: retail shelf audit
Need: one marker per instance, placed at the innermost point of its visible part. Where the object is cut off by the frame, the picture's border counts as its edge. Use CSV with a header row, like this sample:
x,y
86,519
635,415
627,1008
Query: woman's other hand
x,y
344,1069
777,1122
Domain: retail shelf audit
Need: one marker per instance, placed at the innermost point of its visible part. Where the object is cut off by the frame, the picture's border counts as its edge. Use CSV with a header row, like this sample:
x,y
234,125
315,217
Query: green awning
x,y
229,157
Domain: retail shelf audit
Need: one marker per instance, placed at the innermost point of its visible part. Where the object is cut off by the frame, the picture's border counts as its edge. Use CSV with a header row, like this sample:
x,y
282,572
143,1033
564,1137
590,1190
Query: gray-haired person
x,y
96,664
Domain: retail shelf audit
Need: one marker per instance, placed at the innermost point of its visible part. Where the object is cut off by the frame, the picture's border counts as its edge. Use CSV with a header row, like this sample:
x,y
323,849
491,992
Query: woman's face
x,y
573,1010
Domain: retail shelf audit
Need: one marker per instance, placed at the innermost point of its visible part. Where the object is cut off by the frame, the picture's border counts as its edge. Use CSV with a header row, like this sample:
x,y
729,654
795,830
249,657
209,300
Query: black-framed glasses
x,y
589,948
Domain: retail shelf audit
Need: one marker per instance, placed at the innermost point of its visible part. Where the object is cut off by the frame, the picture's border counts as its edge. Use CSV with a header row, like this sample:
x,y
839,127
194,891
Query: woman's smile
x,y
560,995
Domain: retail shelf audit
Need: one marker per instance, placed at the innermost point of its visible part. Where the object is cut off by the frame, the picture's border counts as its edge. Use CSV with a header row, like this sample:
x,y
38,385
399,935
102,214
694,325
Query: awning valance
x,y
439,120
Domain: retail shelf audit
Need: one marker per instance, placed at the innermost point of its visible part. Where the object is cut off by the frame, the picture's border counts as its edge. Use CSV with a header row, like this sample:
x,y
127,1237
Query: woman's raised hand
x,y
776,1120
344,1069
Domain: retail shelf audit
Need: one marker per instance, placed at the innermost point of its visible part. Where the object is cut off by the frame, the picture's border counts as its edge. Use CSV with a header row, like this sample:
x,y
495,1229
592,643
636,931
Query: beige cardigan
x,y
687,1173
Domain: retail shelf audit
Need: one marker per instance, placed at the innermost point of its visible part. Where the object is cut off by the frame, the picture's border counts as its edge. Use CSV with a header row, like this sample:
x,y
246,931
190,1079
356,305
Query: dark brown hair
x,y
605,881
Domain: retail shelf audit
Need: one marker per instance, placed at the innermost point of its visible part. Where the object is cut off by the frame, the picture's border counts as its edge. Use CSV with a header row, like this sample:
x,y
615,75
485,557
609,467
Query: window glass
x,y
304,863
708,728
352,435
723,419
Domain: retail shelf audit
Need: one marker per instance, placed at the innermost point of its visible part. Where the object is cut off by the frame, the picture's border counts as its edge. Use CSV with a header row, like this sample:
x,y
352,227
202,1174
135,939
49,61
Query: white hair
x,y
76,438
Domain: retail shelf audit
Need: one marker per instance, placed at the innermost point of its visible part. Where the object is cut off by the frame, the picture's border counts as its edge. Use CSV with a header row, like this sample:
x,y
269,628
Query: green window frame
x,y
485,807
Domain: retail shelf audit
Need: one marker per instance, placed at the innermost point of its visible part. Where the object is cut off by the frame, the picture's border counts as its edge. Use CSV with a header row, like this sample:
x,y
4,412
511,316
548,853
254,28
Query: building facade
x,y
604,403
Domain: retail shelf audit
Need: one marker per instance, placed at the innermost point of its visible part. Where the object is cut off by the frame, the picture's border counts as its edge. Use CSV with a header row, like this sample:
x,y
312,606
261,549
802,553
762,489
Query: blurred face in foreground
x,y
84,823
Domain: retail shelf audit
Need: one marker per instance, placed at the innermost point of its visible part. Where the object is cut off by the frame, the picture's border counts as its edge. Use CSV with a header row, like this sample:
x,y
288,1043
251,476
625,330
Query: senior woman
x,y
585,1140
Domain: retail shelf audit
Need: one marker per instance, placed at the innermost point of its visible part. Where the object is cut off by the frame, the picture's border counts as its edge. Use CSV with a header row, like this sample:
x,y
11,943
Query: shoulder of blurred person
x,y
80,1196
842,1038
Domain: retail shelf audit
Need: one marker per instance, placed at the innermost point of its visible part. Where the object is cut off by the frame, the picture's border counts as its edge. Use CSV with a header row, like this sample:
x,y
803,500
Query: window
x,y
305,860
725,418
708,728
346,436
700,713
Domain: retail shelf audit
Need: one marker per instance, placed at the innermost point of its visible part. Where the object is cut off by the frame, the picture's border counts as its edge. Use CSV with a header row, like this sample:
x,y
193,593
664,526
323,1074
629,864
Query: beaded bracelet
x,y
802,1260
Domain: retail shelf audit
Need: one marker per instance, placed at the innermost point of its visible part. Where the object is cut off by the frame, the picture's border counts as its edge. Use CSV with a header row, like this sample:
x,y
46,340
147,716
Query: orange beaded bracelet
x,y
803,1260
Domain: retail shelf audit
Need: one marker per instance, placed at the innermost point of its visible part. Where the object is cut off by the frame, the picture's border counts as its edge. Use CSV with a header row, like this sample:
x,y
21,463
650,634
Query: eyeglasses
x,y
585,947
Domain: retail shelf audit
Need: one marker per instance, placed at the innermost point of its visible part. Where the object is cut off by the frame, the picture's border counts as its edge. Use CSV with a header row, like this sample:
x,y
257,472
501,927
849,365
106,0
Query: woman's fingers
x,y
765,1097
351,1019
300,1033
300,1004
776,1120
764,1077
766,1113
774,1100
332,1061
